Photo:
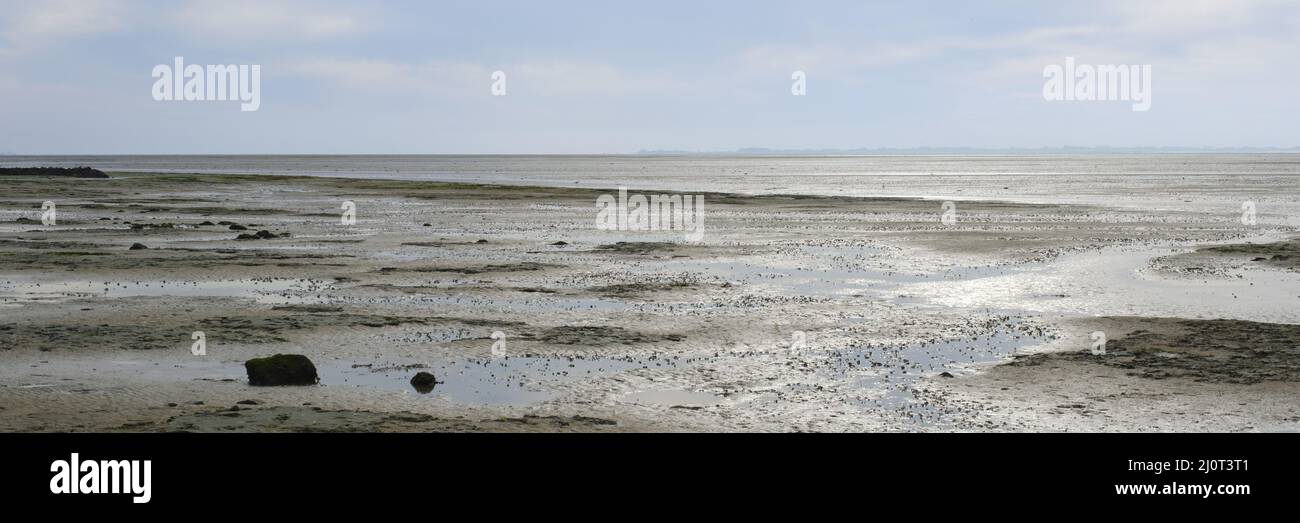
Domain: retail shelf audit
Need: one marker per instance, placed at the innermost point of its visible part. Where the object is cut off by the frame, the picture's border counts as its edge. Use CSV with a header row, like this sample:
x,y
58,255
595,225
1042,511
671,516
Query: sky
x,y
609,77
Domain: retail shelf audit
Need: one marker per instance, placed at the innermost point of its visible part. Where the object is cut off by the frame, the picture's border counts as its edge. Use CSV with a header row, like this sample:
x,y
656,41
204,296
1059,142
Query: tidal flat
x,y
794,312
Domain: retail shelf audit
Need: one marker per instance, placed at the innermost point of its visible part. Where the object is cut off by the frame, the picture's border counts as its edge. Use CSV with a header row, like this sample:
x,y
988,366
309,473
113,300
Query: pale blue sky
x,y
617,77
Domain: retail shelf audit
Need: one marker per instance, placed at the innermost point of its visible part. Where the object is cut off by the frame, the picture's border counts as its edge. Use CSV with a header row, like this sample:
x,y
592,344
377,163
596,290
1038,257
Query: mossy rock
x,y
281,369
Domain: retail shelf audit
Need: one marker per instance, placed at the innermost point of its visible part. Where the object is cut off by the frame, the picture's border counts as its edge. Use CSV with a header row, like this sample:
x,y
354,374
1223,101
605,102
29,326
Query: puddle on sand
x,y
894,370
262,290
501,303
832,275
1119,282
500,381
517,380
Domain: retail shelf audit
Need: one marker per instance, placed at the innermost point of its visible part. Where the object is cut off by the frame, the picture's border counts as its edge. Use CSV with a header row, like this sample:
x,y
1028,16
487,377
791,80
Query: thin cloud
x,y
378,75
552,78
31,25
268,20
880,55
1184,17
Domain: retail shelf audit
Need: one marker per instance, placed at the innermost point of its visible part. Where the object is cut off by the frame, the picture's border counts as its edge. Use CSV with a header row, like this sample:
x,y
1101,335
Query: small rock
x,y
265,235
248,402
946,375
481,241
560,243
138,247
423,382
238,227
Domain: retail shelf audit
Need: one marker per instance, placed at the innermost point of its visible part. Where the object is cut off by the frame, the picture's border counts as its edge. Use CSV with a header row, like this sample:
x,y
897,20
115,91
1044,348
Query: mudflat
x,y
793,312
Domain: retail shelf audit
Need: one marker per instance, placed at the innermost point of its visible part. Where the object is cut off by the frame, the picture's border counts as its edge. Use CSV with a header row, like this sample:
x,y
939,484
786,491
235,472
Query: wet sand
x,y
795,313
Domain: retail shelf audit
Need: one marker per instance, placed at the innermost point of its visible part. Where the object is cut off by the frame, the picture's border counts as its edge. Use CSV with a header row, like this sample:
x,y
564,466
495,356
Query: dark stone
x,y
281,369
481,241
248,402
138,247
238,227
561,243
265,235
423,382
946,375
247,236
206,223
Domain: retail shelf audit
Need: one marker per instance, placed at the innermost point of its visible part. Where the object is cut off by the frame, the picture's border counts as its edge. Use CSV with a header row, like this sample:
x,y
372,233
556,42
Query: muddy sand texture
x,y
1211,351
797,313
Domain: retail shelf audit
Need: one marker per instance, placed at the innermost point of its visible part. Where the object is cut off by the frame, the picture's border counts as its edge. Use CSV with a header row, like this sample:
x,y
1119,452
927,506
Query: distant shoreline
x,y
744,152
65,172
976,151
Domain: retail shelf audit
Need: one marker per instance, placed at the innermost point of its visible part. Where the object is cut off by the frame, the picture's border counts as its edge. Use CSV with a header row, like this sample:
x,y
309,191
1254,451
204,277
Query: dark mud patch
x,y
460,287
1213,351
308,308
534,290
264,328
598,335
160,258
275,327
46,338
475,269
1217,259
1283,254
315,419
44,244
639,248
406,289
627,290
440,243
